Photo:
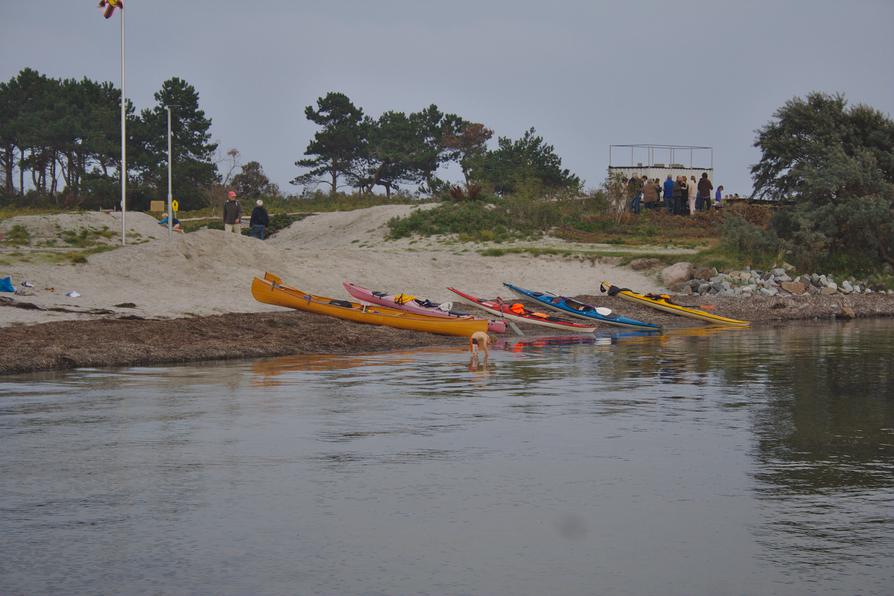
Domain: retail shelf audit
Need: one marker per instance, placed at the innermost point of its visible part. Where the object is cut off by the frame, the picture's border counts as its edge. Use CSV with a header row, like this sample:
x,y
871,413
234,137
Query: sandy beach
x,y
209,272
185,299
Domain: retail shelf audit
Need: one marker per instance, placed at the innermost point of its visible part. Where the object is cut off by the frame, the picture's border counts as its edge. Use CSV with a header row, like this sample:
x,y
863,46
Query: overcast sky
x,y
585,73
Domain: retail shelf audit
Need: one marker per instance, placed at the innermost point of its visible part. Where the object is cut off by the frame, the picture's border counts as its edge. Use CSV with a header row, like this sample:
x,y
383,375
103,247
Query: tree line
x,y
357,151
61,139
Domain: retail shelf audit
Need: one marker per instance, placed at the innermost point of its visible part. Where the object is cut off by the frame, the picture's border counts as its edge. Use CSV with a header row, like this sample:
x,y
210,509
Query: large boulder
x,y
794,287
703,272
676,275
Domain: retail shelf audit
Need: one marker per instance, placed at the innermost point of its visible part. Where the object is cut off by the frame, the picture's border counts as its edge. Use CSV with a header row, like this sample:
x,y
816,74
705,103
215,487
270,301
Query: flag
x,y
109,6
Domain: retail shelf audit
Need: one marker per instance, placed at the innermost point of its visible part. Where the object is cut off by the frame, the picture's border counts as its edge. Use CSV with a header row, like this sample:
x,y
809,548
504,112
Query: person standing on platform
x,y
681,191
703,201
669,194
692,189
650,193
634,193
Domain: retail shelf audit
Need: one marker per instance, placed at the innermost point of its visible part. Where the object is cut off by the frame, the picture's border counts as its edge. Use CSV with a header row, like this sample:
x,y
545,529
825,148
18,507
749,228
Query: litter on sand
x,y
72,294
6,284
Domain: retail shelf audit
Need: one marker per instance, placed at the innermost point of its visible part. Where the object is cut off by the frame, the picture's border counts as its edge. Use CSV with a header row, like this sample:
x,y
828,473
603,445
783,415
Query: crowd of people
x,y
678,196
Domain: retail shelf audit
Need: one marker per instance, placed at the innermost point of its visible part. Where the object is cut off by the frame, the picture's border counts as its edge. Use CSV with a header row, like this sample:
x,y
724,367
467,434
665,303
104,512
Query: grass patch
x,y
320,201
86,237
199,224
312,203
649,228
623,256
278,221
475,221
18,235
579,219
10,210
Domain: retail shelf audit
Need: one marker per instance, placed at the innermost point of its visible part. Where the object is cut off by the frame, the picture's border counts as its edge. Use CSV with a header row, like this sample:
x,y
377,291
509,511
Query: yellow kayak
x,y
271,291
663,302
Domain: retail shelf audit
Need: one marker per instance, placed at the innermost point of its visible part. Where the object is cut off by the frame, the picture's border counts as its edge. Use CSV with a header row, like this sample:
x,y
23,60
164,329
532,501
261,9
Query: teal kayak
x,y
581,310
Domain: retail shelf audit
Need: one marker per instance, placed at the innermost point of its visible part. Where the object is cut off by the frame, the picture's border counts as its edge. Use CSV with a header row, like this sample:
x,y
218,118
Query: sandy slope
x,y
209,272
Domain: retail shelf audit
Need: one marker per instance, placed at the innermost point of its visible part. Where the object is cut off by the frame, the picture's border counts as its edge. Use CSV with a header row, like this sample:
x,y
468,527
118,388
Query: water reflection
x,y
616,460
824,444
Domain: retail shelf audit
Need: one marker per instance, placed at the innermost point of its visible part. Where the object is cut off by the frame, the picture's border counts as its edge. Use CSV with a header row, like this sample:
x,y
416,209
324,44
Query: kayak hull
x,y
271,291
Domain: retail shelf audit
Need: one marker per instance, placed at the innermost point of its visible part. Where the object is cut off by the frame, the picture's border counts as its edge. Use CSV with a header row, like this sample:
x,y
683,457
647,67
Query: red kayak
x,y
515,311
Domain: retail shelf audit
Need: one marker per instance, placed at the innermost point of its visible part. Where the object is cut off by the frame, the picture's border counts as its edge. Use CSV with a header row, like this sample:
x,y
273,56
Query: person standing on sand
x,y
717,196
259,220
232,214
669,194
703,201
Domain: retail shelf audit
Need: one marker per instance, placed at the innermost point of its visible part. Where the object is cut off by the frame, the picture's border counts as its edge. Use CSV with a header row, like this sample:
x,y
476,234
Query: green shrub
x,y
754,245
499,219
323,201
468,218
281,221
86,237
18,235
738,234
850,236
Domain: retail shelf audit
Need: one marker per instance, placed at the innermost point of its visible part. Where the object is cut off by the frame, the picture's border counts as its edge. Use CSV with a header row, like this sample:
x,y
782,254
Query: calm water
x,y
711,462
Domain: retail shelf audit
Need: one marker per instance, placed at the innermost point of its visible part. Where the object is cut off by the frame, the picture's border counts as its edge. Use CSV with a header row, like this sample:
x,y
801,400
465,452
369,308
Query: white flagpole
x,y
170,192
123,139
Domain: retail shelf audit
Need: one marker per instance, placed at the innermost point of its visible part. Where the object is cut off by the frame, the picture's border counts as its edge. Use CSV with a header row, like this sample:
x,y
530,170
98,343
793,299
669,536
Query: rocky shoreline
x,y
121,342
748,282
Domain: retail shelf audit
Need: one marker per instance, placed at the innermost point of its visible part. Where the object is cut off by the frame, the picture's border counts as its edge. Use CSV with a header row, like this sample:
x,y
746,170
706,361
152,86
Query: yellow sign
x,y
175,206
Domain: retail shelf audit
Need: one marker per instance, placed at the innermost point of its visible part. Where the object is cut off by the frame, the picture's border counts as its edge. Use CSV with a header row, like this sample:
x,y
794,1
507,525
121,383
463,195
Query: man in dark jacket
x,y
232,214
259,220
703,200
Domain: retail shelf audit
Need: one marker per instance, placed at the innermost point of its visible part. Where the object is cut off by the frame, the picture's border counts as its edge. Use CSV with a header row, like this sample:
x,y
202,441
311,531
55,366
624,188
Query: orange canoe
x,y
270,290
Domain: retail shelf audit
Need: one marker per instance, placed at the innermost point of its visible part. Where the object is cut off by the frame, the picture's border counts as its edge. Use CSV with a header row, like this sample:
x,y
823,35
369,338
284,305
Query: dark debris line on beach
x,y
127,342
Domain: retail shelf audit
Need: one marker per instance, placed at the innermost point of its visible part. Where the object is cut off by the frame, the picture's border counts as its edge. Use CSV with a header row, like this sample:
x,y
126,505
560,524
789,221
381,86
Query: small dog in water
x,y
478,341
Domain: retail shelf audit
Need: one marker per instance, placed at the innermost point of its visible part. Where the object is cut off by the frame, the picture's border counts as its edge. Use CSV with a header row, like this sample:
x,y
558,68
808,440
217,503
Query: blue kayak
x,y
581,310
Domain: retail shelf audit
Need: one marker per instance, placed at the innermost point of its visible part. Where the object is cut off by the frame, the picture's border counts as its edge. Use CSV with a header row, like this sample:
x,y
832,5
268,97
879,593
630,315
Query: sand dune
x,y
209,272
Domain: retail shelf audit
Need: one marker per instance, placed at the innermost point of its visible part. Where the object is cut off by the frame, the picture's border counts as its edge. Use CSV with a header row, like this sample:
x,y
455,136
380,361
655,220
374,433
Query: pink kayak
x,y
415,305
